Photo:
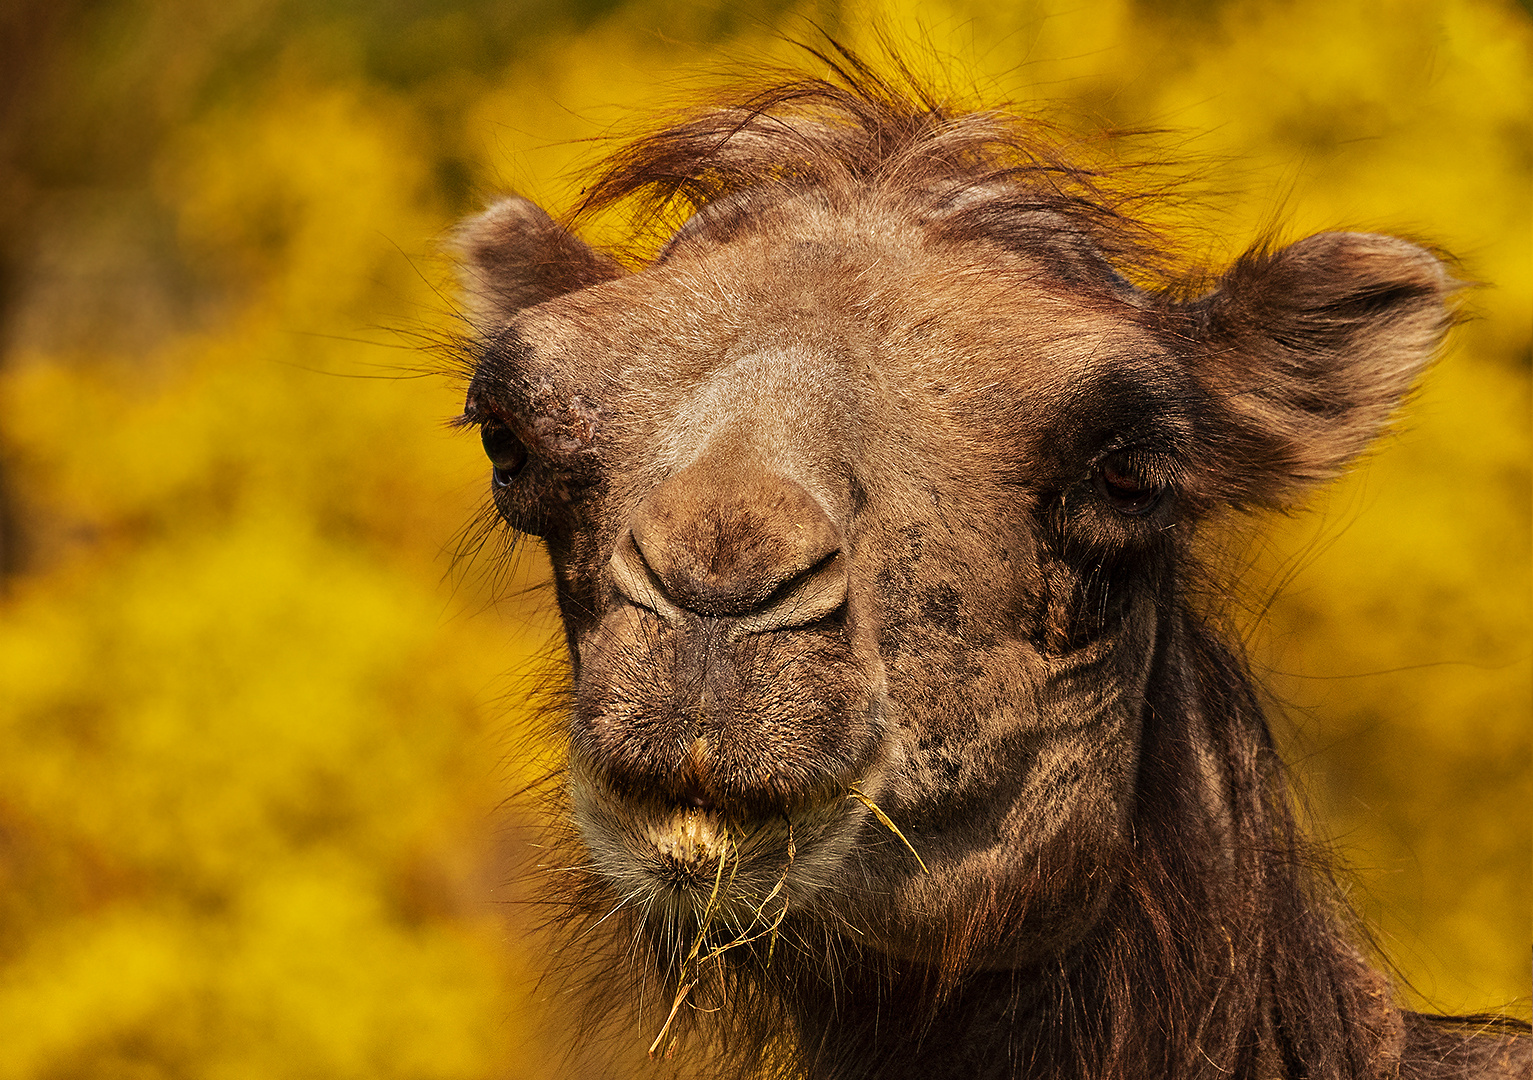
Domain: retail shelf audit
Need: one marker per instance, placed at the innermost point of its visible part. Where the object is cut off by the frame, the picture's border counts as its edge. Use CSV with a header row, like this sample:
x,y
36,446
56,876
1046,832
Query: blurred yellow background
x,y
255,735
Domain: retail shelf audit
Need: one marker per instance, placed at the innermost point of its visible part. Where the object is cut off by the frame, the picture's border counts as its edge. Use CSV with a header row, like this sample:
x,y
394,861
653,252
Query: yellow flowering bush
x,y
256,733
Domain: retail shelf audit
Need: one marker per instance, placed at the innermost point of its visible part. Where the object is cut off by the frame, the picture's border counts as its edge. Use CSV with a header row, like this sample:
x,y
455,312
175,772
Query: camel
x,y
895,729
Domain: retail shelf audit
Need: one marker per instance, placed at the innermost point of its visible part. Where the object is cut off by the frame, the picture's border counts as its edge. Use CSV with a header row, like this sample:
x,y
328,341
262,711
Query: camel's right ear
x,y
515,255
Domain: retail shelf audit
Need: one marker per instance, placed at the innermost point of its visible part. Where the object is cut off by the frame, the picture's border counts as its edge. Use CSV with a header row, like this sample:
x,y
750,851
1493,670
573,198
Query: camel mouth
x,y
689,859
687,844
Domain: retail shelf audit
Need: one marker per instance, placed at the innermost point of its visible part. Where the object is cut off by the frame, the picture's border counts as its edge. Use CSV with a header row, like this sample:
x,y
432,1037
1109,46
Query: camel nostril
x,y
636,579
758,549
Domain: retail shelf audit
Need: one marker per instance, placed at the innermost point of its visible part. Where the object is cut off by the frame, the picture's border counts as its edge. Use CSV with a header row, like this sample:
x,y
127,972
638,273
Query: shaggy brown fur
x,y
872,501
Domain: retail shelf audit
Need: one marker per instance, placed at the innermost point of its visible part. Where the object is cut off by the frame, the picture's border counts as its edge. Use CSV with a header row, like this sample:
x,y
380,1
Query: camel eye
x,y
1124,487
506,453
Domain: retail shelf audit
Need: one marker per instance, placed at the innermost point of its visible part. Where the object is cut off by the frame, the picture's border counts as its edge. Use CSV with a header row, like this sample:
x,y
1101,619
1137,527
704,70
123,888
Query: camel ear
x,y
514,256
1306,352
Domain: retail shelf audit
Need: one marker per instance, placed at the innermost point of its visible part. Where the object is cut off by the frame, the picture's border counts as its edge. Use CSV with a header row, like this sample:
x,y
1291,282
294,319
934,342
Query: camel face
x,y
852,510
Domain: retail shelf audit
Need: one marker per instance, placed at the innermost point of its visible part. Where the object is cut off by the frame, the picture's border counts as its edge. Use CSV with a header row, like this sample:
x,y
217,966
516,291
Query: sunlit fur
x,y
898,745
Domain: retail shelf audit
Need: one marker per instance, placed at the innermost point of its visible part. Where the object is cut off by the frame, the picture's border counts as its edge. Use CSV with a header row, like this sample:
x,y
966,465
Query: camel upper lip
x,y
696,785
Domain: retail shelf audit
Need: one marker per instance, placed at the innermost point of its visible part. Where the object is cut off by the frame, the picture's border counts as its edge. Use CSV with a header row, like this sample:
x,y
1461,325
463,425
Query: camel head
x,y
871,502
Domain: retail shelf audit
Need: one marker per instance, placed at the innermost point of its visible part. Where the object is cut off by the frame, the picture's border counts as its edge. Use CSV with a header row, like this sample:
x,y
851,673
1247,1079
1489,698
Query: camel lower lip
x,y
700,860
692,839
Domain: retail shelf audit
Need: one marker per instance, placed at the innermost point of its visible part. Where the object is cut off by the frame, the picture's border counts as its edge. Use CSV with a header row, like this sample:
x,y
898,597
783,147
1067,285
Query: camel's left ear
x,y
1305,352
514,256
